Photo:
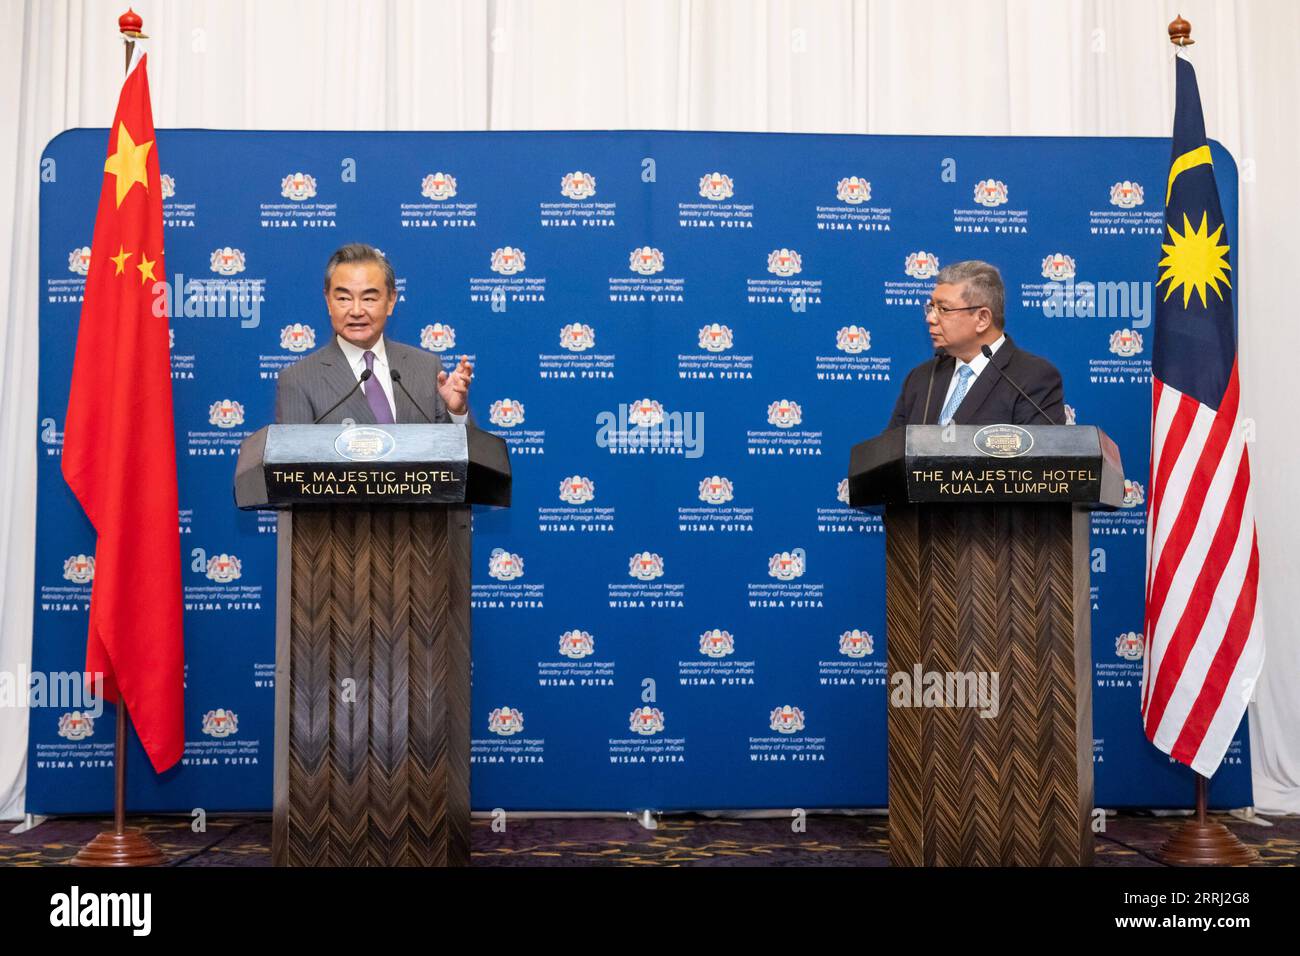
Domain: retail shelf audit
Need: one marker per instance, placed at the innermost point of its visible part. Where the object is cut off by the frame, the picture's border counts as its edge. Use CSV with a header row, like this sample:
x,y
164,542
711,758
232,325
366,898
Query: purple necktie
x,y
375,394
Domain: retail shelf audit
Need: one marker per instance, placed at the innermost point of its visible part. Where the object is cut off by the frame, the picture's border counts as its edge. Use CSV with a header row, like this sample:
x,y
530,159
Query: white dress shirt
x,y
357,361
976,366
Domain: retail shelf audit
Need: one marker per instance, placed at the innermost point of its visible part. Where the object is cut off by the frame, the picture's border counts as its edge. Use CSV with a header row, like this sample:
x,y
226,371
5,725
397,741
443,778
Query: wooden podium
x,y
372,667
987,574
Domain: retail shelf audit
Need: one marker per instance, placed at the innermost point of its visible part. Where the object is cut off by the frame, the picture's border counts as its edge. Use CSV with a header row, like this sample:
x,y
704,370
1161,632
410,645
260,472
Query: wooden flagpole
x,y
1200,841
122,846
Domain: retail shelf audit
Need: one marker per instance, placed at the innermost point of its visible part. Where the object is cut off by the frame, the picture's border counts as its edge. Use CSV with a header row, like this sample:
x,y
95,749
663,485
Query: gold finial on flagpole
x,y
131,26
1180,32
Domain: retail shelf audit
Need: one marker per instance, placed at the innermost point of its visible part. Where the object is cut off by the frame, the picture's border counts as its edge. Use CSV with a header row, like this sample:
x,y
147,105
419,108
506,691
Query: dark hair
x,y
360,252
983,284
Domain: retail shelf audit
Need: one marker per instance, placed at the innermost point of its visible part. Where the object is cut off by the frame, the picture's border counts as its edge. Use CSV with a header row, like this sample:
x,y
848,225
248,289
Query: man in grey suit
x,y
404,384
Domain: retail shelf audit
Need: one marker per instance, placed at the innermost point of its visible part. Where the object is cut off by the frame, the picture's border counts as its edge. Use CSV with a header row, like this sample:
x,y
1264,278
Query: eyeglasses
x,y
944,310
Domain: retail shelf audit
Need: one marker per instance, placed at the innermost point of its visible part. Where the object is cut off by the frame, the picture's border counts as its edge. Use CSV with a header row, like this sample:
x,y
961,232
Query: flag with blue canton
x,y
1204,636
1195,337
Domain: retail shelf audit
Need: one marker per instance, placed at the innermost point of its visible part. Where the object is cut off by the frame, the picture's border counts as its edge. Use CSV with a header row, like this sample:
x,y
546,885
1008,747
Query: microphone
x,y
365,375
938,357
396,376
988,354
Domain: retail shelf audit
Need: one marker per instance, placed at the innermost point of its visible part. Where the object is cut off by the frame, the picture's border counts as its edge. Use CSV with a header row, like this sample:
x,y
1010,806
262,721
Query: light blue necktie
x,y
964,375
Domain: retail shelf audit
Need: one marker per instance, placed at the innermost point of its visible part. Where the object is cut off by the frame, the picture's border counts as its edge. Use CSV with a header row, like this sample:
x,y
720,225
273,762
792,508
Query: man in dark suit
x,y
405,385
965,313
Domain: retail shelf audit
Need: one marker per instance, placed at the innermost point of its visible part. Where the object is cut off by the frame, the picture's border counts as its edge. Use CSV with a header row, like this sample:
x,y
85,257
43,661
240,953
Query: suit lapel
x,y
338,379
406,410
942,376
983,387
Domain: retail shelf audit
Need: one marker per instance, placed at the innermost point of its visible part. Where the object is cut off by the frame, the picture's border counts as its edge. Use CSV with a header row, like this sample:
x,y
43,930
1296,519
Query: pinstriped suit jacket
x,y
311,385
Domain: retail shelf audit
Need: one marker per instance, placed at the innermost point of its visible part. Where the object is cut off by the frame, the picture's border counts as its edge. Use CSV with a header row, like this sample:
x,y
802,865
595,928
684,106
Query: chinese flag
x,y
119,452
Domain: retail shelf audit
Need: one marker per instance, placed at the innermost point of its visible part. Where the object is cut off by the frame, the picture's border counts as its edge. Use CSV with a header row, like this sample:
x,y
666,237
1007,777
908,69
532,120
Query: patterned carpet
x,y
680,840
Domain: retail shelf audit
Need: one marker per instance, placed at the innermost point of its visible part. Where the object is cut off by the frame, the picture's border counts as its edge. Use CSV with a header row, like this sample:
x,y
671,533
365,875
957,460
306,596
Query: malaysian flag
x,y
1205,640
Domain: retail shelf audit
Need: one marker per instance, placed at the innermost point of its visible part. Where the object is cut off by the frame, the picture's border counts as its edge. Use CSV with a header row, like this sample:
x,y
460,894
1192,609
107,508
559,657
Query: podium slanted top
x,y
281,466
933,464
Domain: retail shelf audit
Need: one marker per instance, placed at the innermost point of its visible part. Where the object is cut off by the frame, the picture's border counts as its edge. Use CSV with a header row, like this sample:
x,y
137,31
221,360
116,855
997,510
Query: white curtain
x,y
1024,67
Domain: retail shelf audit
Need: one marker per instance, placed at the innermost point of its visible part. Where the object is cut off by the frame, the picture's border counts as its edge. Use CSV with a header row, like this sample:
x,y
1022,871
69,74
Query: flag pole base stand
x,y
1205,843
128,848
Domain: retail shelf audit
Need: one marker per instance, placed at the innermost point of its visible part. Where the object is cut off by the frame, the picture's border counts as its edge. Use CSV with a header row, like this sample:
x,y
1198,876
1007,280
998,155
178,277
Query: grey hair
x,y
983,285
360,252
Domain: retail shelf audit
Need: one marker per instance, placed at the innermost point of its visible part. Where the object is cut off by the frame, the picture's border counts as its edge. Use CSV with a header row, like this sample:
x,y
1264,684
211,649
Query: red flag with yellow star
x,y
119,452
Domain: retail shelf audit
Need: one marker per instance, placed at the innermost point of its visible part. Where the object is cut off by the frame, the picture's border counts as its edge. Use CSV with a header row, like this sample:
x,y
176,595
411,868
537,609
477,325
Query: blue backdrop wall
x,y
679,335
